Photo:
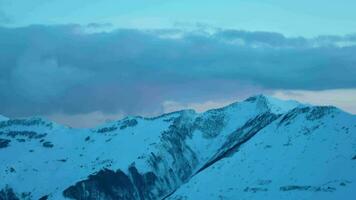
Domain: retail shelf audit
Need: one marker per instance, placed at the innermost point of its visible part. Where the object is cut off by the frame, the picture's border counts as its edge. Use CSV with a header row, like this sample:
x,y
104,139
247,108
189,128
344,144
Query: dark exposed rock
x,y
174,142
253,98
4,143
184,159
309,130
295,187
260,100
319,111
25,122
264,182
143,183
287,118
26,196
107,129
106,184
255,189
47,144
307,188
20,140
28,134
169,114
12,170
44,197
212,124
8,194
128,123
240,136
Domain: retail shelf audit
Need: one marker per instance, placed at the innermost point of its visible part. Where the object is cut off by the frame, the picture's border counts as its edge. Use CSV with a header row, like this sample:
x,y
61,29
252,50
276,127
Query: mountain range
x,y
259,148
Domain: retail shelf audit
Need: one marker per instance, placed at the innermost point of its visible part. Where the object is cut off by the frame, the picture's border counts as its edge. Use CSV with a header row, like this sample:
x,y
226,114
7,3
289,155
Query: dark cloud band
x,y
49,69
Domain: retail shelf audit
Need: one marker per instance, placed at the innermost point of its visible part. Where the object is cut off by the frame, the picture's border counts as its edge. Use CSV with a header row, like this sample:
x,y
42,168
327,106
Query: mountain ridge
x,y
154,157
270,100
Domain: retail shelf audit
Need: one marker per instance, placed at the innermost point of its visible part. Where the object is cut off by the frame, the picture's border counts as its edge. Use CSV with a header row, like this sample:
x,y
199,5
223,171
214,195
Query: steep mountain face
x,y
261,147
307,153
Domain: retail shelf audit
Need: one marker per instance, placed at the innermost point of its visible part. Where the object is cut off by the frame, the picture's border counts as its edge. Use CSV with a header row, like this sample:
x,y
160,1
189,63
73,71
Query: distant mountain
x,y
261,148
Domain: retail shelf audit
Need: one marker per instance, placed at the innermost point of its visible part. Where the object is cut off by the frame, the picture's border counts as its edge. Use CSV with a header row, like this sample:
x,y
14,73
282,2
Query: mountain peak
x,y
275,105
256,98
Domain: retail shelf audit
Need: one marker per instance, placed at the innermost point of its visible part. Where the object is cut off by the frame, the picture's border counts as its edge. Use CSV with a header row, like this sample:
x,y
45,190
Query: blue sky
x,y
84,62
291,18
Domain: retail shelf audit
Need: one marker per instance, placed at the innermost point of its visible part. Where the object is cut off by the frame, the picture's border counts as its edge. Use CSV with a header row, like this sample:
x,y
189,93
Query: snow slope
x,y
184,155
307,153
3,118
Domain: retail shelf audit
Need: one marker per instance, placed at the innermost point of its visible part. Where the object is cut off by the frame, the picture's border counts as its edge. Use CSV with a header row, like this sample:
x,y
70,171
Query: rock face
x,y
259,148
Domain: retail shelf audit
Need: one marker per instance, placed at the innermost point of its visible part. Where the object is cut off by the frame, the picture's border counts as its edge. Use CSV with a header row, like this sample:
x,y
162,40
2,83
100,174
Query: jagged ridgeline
x,y
260,148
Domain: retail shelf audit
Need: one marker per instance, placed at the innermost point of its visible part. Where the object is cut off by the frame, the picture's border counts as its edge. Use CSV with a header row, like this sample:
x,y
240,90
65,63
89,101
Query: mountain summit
x,y
260,148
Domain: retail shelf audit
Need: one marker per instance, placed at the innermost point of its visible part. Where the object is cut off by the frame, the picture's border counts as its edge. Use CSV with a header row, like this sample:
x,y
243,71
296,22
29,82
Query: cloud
x,y
171,106
99,25
46,70
342,98
87,120
43,78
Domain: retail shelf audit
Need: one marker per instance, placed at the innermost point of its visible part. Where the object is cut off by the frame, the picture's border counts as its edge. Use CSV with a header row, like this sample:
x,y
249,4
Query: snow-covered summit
x,y
273,104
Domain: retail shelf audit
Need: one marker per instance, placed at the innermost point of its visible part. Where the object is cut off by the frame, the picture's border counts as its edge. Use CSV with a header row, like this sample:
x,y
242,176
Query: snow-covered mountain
x,y
259,148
